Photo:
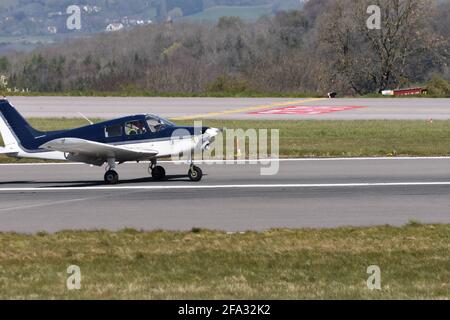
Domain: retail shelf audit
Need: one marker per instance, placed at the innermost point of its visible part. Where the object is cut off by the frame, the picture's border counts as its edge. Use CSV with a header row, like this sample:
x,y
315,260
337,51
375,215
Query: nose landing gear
x,y
195,173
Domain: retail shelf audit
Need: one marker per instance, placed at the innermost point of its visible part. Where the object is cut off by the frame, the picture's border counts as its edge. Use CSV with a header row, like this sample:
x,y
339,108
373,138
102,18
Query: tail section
x,y
17,133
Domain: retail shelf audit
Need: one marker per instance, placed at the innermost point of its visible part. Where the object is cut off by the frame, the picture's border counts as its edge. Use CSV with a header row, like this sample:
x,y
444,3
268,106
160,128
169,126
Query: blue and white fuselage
x,y
132,138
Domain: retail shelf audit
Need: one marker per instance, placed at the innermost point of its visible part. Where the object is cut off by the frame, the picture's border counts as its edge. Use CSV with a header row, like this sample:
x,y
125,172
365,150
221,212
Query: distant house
x,y
114,27
91,9
52,29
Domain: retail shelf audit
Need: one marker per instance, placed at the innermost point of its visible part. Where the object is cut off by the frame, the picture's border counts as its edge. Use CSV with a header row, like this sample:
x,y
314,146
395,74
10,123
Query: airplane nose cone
x,y
210,137
212,132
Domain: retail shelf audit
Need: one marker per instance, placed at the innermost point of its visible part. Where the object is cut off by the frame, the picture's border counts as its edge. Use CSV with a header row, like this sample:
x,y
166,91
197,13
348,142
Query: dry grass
x,y
277,264
354,138
328,138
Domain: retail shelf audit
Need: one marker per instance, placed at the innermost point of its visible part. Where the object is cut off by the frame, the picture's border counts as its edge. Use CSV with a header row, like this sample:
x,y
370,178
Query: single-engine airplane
x,y
143,137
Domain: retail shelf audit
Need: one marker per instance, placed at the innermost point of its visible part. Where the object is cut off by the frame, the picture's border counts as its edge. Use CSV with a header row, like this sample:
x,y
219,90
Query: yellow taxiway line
x,y
247,109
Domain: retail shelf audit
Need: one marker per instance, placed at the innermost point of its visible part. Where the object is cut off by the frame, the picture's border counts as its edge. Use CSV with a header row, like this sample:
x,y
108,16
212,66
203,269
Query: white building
x,y
114,27
52,29
91,9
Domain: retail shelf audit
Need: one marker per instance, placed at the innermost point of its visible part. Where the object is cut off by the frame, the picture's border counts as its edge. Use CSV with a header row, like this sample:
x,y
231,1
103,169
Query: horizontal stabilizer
x,y
8,151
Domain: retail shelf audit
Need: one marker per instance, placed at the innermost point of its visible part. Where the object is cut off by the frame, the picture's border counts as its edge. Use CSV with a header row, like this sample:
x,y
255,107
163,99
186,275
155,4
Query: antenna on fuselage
x,y
86,118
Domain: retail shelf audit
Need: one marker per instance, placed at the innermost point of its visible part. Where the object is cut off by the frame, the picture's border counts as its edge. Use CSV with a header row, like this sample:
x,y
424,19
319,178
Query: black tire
x,y
111,177
158,173
195,173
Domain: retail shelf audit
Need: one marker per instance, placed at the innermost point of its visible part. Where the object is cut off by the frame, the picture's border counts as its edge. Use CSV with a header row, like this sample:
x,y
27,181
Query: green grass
x,y
205,94
354,138
143,93
328,138
276,264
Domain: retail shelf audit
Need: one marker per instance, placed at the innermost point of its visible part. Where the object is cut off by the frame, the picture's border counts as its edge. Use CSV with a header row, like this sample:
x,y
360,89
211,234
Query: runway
x,y
231,197
237,108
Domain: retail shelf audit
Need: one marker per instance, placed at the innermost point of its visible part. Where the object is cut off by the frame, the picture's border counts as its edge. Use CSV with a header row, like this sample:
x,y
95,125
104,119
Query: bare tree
x,y
325,47
372,59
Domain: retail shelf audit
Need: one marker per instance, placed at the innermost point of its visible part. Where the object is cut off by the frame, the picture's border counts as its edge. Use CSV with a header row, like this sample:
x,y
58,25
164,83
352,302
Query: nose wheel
x,y
111,177
195,173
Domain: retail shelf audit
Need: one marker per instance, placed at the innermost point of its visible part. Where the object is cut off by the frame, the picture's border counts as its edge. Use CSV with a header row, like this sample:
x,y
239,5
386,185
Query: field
x,y
277,264
354,138
329,138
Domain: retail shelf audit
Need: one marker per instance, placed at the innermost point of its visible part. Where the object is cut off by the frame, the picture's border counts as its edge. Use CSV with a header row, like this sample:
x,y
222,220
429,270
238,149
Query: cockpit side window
x,y
113,131
135,128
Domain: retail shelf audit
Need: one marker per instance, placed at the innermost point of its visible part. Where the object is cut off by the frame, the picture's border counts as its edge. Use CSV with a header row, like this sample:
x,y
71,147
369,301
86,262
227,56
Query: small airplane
x,y
142,137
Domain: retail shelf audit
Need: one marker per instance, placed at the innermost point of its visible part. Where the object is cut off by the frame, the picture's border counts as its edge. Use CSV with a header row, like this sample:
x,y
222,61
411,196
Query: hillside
x,y
25,18
294,52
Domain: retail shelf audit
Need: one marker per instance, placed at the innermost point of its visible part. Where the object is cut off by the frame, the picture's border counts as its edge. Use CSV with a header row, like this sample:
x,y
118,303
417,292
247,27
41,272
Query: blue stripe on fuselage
x,y
31,139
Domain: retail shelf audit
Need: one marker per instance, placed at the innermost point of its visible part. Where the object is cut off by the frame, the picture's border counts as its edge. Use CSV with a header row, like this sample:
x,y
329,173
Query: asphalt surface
x,y
305,193
233,108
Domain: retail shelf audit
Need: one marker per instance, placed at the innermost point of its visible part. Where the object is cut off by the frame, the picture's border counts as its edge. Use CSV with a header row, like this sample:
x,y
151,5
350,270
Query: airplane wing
x,y
8,151
97,150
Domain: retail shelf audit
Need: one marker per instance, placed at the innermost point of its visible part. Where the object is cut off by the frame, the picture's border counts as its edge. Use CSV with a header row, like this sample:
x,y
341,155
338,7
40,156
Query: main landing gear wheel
x,y
195,173
158,173
111,177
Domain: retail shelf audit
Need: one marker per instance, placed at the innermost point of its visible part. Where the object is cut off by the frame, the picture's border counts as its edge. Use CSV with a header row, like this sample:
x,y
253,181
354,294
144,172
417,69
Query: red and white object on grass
x,y
404,92
306,110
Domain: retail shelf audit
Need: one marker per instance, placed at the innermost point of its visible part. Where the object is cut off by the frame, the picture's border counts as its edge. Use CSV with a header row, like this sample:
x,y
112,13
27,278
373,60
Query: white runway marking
x,y
52,203
243,186
46,204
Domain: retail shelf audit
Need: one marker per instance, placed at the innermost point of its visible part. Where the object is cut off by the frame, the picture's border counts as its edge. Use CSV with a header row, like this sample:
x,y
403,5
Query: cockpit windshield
x,y
157,124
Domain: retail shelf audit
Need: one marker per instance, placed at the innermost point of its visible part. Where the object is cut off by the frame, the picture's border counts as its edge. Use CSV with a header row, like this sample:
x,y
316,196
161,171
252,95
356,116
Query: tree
x,y
326,47
372,60
4,64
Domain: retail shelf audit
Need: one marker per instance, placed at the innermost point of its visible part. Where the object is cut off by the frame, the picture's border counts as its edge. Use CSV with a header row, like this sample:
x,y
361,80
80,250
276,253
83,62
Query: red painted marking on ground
x,y
306,110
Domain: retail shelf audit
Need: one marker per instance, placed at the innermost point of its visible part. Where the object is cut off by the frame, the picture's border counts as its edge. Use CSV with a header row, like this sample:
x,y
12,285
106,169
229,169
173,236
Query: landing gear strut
x,y
111,176
158,173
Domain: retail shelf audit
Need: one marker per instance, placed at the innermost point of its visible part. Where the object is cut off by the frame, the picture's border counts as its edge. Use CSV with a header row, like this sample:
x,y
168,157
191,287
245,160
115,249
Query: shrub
x,y
229,84
438,86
